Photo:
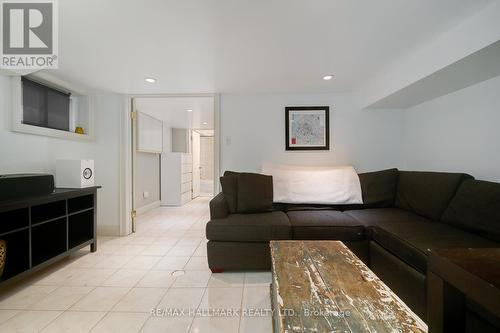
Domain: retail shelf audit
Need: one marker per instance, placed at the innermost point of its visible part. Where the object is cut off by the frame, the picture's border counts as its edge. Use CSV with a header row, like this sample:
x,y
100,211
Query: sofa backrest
x,y
379,188
247,192
476,207
427,193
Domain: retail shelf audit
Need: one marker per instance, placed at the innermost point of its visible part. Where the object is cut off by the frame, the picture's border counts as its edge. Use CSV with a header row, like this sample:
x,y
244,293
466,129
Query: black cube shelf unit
x,y
41,230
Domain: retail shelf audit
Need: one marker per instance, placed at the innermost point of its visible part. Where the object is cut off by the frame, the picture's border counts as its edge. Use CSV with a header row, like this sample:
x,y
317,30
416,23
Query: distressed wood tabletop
x,y
321,286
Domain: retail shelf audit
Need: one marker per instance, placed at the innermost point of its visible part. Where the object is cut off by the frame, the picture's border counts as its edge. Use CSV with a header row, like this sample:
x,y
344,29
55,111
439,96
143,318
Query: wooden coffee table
x,y
321,286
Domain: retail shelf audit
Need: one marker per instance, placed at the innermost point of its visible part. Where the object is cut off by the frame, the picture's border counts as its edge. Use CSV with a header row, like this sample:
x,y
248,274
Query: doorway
x,y
176,131
203,162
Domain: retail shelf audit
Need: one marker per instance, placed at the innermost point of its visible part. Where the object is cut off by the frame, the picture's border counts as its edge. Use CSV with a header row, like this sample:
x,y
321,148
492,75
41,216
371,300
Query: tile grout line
x,y
121,298
67,310
241,306
157,304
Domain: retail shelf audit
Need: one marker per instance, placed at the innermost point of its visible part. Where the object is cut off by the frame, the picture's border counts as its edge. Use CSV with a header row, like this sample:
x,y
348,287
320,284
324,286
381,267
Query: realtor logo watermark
x,y
29,34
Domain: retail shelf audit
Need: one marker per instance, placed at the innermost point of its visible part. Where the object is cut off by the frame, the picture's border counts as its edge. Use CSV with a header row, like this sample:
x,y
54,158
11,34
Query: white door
x,y
207,165
196,164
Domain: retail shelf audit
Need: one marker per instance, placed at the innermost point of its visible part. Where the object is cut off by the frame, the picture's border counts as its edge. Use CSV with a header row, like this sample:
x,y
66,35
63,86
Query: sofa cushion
x,y
229,184
250,227
410,241
427,193
476,207
255,193
376,216
325,224
379,188
247,192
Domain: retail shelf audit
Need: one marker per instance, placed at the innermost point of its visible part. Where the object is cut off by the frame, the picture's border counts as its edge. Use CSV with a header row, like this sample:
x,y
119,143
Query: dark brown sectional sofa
x,y
404,216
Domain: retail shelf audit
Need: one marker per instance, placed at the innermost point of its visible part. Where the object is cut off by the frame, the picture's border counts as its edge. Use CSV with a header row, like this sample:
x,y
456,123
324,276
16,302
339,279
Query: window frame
x,y
17,109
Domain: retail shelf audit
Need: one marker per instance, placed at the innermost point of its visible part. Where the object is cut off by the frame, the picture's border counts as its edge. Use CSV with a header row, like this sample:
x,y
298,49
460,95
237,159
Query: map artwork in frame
x,y
307,127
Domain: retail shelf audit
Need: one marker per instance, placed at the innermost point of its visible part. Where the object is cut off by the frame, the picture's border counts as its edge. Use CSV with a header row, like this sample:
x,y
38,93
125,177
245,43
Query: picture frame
x,y
307,128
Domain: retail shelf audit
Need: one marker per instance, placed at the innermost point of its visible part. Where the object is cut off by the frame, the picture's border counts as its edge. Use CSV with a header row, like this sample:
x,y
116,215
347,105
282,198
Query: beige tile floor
x,y
115,289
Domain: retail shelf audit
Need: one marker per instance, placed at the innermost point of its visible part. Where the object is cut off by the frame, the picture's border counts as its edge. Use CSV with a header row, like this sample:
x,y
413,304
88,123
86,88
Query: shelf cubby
x,y
14,220
48,211
48,240
17,253
80,228
80,203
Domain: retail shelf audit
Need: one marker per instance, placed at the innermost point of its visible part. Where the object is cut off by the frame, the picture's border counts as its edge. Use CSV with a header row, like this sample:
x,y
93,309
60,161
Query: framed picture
x,y
307,127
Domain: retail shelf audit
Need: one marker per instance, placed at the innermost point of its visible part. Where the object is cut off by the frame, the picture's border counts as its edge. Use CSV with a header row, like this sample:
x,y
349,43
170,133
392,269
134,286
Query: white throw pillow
x,y
314,185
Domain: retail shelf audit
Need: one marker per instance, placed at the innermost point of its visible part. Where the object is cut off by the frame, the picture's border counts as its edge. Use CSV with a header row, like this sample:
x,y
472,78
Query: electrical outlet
x,y
145,195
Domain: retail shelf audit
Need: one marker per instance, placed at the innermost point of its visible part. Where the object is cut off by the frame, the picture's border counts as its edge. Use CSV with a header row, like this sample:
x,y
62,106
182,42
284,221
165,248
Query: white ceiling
x,y
234,46
173,111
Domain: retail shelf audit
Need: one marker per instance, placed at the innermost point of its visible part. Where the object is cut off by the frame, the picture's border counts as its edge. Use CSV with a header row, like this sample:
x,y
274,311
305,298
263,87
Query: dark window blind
x,y
44,106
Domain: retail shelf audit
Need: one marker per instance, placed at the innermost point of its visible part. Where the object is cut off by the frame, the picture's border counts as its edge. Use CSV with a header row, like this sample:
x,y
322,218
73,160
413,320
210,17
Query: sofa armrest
x,y
218,207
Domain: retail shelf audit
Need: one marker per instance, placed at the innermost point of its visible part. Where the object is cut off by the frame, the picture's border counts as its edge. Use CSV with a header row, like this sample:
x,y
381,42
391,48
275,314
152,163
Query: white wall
x,y
167,138
457,132
468,36
253,126
147,179
30,153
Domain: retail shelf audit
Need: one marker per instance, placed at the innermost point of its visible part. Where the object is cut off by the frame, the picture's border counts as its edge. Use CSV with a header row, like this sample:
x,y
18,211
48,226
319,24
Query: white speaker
x,y
74,173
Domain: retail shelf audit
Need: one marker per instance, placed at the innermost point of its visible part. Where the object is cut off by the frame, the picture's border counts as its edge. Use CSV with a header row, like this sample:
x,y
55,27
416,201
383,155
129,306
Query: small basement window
x,y
44,106
50,109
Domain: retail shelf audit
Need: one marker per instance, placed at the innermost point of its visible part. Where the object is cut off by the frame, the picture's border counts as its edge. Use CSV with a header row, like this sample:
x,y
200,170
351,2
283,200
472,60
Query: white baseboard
x,y
108,230
147,208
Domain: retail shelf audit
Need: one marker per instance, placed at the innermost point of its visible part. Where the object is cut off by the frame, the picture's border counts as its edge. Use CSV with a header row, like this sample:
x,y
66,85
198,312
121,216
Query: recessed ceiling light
x,y
328,77
150,80
189,110
205,123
